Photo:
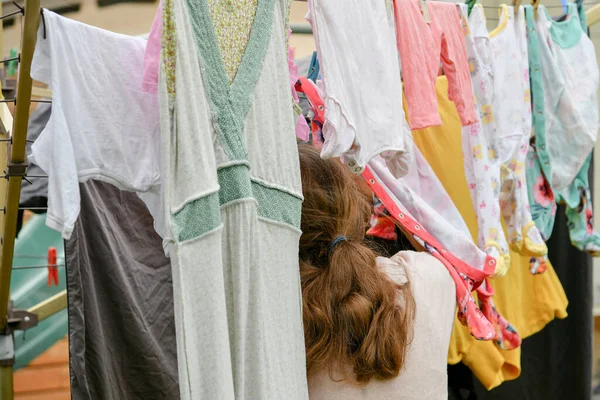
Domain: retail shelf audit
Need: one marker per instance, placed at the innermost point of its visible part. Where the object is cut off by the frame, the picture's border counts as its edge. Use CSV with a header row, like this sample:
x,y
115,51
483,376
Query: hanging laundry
x,y
570,82
512,131
520,297
152,54
152,61
390,196
401,202
233,199
361,79
480,153
566,101
421,46
577,196
506,336
541,196
102,126
120,298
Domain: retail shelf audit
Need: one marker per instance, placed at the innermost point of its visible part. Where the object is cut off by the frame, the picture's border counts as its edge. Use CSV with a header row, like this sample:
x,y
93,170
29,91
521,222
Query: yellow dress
x,y
528,301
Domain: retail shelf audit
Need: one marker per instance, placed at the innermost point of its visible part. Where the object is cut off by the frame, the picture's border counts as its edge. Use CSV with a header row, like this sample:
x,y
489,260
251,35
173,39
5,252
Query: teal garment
x,y
579,211
541,197
537,168
578,196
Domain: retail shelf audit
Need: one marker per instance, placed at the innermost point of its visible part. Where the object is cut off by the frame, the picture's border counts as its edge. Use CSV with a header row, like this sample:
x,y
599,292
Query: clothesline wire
x,y
587,3
36,266
31,257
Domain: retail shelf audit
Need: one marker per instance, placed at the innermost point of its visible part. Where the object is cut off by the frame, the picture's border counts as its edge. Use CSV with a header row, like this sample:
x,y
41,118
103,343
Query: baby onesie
x,y
578,196
229,196
512,116
421,47
566,120
361,81
480,156
570,81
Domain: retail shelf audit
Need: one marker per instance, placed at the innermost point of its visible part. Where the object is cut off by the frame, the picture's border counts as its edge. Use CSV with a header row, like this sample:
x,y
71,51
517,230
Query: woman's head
x,y
353,313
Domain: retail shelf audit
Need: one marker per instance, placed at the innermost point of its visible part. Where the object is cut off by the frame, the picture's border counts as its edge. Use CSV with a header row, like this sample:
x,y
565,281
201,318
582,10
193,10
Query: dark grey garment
x,y
120,297
39,186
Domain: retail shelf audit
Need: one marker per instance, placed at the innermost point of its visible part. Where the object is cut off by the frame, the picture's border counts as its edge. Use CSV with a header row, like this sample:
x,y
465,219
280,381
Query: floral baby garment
x,y
541,196
571,93
569,74
480,156
578,196
512,115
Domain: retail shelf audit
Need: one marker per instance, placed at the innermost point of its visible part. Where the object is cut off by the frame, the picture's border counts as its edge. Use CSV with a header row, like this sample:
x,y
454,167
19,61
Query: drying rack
x,y
14,166
13,132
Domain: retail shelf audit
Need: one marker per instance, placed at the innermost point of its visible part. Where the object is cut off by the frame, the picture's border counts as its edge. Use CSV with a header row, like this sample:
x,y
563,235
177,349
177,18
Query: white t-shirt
x,y
103,126
424,374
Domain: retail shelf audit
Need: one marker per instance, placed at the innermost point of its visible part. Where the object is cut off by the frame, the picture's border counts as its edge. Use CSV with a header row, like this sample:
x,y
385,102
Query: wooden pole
x,y
16,159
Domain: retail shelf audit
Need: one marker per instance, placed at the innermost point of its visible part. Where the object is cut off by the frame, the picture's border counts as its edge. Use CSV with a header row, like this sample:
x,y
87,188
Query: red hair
x,y
353,313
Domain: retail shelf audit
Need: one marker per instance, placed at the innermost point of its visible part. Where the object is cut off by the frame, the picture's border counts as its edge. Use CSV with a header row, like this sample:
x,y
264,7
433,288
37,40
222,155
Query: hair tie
x,y
337,241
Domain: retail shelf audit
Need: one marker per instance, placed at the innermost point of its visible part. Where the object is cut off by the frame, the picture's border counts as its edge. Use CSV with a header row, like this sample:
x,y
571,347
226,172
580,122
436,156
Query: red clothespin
x,y
52,269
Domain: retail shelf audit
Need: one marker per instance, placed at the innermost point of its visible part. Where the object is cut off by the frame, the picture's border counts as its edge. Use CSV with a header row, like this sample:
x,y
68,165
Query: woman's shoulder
x,y
417,267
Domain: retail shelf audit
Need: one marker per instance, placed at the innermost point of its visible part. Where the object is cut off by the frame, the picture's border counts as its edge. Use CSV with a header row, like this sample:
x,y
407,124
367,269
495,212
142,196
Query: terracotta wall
x,y
47,377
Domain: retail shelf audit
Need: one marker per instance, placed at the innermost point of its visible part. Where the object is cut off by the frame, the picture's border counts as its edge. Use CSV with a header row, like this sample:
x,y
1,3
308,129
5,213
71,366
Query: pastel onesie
x,y
511,114
480,158
565,83
361,81
422,46
578,196
232,200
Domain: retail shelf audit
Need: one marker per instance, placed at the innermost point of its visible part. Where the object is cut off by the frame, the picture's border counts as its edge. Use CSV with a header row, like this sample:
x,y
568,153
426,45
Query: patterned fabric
x,y
580,214
512,109
232,21
231,101
381,224
276,204
507,337
168,48
570,77
571,118
480,155
541,196
197,218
